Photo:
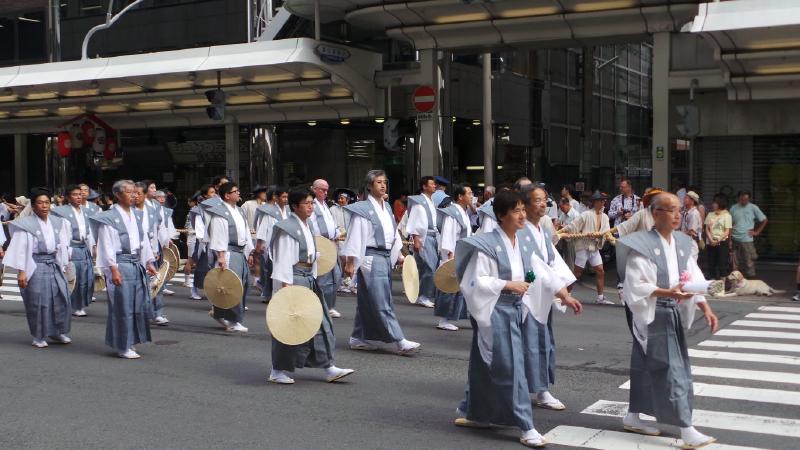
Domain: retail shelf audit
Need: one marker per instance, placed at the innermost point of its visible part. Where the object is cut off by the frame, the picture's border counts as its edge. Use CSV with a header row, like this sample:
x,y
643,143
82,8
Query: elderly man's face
x,y
321,190
668,213
538,203
127,197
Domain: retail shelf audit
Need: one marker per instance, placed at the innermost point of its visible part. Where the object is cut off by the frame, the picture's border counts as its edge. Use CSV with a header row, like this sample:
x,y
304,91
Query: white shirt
x,y
108,242
361,235
285,251
249,208
641,280
567,218
451,232
641,220
418,219
218,231
327,217
19,254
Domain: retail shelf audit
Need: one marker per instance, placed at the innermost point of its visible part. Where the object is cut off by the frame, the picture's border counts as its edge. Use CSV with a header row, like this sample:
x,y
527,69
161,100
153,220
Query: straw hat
x,y
294,315
223,288
327,255
411,279
445,277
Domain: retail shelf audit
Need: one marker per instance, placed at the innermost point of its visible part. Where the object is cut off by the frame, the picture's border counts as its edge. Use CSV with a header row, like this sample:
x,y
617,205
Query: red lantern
x,y
64,144
88,132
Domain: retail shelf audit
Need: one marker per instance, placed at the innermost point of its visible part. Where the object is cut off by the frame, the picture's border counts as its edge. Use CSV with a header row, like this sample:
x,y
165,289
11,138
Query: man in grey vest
x,y
123,253
421,227
81,245
295,263
322,224
657,265
266,216
151,223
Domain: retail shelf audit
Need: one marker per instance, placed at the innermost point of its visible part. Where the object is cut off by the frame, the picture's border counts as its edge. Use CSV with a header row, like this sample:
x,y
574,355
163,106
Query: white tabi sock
x,y
546,397
690,435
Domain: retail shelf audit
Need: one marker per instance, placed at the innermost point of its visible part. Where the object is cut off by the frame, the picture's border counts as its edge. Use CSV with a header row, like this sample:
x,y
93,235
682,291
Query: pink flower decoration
x,y
686,276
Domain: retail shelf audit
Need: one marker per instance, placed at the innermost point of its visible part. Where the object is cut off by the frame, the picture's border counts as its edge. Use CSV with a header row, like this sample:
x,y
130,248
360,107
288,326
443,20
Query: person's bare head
x,y
625,188
564,205
125,193
666,209
535,202
376,183
84,191
320,188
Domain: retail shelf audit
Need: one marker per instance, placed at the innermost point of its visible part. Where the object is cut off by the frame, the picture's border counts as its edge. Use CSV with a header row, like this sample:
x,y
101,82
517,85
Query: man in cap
x,y
81,246
295,263
440,194
39,250
124,253
656,264
372,248
593,224
230,244
266,216
421,228
322,224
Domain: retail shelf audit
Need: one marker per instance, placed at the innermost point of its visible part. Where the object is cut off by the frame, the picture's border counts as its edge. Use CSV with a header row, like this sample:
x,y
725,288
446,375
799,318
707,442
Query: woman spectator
x,y
718,230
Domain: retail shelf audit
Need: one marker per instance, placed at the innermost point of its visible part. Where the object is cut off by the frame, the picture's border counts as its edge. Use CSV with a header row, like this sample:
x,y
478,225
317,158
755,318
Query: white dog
x,y
737,284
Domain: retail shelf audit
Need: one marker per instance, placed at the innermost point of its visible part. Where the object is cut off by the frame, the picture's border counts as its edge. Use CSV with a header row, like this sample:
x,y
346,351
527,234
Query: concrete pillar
x,y
585,165
486,122
661,64
232,151
21,164
429,126
263,155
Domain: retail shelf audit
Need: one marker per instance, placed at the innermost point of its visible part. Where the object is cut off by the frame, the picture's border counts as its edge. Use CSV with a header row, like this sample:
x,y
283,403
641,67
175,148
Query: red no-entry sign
x,y
424,99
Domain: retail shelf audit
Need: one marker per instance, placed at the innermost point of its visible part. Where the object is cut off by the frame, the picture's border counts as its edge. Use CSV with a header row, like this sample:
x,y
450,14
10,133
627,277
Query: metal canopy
x,y
756,45
460,24
264,82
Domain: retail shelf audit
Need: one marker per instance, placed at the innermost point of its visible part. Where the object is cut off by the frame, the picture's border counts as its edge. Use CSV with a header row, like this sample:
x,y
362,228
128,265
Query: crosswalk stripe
x,y
741,393
759,334
752,345
739,374
789,309
11,297
712,419
745,357
765,324
614,440
794,317
7,288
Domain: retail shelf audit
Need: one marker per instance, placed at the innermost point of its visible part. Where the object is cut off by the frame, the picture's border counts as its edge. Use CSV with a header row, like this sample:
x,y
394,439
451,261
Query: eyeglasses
x,y
669,211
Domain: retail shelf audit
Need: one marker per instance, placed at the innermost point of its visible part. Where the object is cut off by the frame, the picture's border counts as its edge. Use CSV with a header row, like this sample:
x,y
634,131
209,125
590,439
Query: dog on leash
x,y
737,284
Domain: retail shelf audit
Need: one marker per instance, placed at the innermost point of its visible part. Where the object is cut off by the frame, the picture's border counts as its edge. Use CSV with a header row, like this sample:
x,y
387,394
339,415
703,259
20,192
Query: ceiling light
x,y
312,123
28,19
380,120
476,122
91,7
345,121
454,119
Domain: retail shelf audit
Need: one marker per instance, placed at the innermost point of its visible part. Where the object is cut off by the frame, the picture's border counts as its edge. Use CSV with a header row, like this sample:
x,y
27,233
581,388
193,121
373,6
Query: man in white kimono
x,y
200,255
421,227
167,232
152,226
266,216
503,283
39,250
322,224
658,267
123,253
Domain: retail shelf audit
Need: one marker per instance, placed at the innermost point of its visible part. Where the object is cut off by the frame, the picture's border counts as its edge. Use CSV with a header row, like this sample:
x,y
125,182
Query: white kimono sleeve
x,y
199,228
284,250
63,250
19,254
481,288
450,231
218,234
487,224
146,254
417,222
357,235
107,245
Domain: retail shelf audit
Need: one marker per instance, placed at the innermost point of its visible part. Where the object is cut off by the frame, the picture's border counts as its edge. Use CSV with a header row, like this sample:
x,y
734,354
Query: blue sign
x,y
331,55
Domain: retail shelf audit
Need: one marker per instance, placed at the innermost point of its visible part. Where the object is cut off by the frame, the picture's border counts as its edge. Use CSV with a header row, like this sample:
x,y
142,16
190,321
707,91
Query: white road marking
x,y
758,334
581,437
795,317
740,374
766,324
789,309
742,393
746,357
712,419
752,345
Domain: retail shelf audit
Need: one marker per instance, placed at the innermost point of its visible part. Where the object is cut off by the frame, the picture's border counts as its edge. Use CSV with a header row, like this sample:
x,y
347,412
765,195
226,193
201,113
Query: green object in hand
x,y
530,277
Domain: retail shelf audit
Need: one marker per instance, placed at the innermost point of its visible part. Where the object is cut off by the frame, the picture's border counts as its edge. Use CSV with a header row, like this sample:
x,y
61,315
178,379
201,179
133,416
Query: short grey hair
x,y
489,189
659,200
160,194
119,185
372,175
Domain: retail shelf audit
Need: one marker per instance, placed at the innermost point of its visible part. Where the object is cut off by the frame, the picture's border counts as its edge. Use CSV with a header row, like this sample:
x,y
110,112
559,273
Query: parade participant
x,y
372,248
421,228
486,218
495,271
191,241
295,263
167,232
123,253
624,205
595,224
567,215
322,224
250,206
692,221
89,196
441,190
454,226
266,216
200,255
230,245
538,337
39,251
81,245
151,224
657,263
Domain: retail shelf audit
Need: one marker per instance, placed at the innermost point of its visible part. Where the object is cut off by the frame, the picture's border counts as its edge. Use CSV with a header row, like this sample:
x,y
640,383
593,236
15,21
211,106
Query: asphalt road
x,y
197,386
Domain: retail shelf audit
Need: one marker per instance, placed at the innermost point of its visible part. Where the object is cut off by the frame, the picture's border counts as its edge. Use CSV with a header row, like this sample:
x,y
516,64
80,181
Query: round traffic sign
x,y
424,99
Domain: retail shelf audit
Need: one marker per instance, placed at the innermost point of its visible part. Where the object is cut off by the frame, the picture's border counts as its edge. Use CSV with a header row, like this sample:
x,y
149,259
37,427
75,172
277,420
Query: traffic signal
x,y
689,121
217,109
